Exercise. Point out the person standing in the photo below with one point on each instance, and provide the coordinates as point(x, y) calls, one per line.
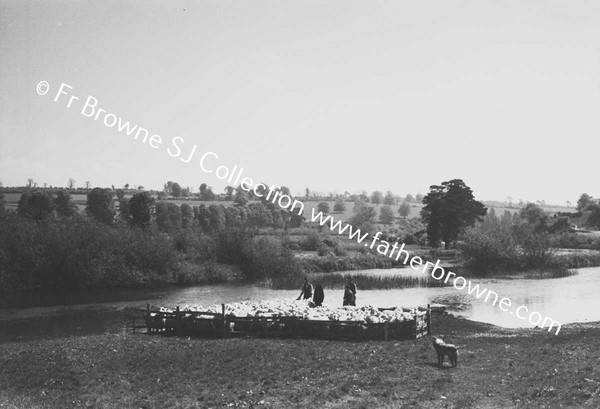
point(319, 296)
point(307, 290)
point(349, 292)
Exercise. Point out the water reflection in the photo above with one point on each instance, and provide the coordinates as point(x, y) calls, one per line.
point(569, 299)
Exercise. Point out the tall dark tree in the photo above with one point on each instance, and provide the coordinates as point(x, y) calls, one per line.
point(65, 207)
point(449, 209)
point(168, 216)
point(141, 208)
point(187, 215)
point(100, 205)
point(584, 201)
point(594, 219)
point(35, 205)
point(176, 190)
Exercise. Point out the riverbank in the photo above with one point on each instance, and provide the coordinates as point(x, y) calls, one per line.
point(497, 368)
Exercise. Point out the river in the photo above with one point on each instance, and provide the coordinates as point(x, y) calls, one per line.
point(566, 300)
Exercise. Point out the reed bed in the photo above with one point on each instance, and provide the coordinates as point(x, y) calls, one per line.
point(364, 281)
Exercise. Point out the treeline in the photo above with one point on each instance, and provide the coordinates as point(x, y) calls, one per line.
point(521, 241)
point(47, 244)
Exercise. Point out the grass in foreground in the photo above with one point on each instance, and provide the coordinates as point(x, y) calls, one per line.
point(497, 368)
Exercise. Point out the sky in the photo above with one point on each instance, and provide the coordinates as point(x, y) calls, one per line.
point(331, 95)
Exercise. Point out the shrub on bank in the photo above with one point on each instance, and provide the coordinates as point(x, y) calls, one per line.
point(80, 254)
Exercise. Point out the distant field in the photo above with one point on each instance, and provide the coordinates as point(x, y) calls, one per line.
point(415, 208)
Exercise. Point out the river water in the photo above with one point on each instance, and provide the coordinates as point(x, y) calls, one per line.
point(566, 300)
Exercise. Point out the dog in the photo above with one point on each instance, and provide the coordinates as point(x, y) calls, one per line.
point(442, 349)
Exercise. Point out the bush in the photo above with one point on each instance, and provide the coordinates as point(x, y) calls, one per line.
point(489, 246)
point(265, 257)
point(80, 254)
point(410, 239)
point(339, 206)
point(311, 242)
point(323, 249)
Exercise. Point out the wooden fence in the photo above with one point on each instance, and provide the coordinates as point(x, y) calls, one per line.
point(210, 324)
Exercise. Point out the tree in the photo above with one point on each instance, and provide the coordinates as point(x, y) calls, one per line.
point(404, 209)
point(376, 197)
point(584, 201)
point(229, 192)
point(125, 211)
point(419, 198)
point(30, 183)
point(217, 217)
point(120, 194)
point(594, 219)
point(323, 207)
point(386, 214)
point(339, 206)
point(65, 207)
point(87, 184)
point(71, 183)
point(176, 190)
point(99, 205)
point(389, 199)
point(535, 217)
point(409, 198)
point(187, 215)
point(2, 206)
point(449, 209)
point(240, 198)
point(168, 216)
point(307, 194)
point(209, 195)
point(35, 205)
point(141, 208)
point(363, 217)
point(285, 191)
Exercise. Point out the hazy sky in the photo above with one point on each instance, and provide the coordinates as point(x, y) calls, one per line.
point(331, 95)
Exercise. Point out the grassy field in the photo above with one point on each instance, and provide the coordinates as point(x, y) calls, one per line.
point(497, 368)
point(415, 208)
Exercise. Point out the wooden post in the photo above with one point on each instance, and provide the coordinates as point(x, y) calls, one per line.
point(177, 322)
point(386, 331)
point(225, 323)
point(428, 319)
point(414, 330)
point(148, 324)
